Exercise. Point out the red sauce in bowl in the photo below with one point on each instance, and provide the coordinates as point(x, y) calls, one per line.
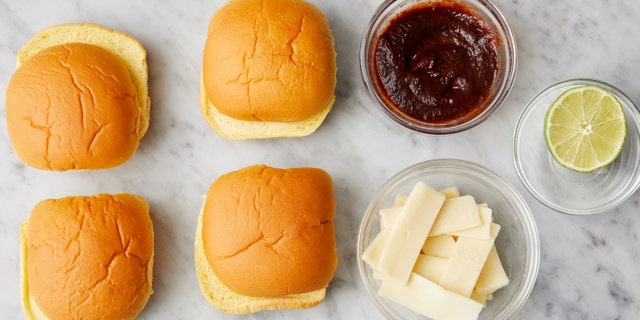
point(437, 63)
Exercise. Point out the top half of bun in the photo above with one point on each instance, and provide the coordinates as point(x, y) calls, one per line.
point(78, 99)
point(271, 61)
point(124, 46)
point(278, 219)
point(88, 257)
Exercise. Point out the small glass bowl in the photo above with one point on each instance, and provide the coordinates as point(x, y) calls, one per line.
point(517, 243)
point(504, 78)
point(562, 189)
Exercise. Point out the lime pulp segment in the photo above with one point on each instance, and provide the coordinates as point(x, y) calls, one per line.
point(585, 128)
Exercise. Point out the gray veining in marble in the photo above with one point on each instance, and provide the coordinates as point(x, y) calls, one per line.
point(590, 265)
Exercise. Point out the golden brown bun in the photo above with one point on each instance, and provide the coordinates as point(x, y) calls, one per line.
point(79, 98)
point(270, 62)
point(234, 129)
point(269, 232)
point(228, 301)
point(87, 258)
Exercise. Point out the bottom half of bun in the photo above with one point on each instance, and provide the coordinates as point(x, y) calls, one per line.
point(228, 301)
point(234, 129)
point(30, 307)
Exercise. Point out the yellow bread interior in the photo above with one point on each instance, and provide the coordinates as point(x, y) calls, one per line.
point(30, 307)
point(235, 129)
point(230, 302)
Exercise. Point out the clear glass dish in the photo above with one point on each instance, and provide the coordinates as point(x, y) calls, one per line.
point(518, 243)
point(564, 190)
point(505, 76)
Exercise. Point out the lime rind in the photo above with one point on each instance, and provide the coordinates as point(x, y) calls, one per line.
point(585, 128)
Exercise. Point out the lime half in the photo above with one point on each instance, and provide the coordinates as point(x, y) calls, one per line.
point(585, 128)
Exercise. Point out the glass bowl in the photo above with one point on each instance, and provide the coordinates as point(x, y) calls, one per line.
point(504, 77)
point(562, 189)
point(517, 243)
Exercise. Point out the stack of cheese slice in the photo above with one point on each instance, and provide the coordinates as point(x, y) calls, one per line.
point(435, 253)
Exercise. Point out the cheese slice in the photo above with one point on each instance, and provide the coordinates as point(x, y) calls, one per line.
point(378, 275)
point(492, 277)
point(450, 192)
point(408, 235)
point(439, 246)
point(483, 231)
point(480, 298)
point(389, 216)
point(428, 298)
point(371, 254)
point(466, 263)
point(457, 213)
point(400, 200)
point(430, 267)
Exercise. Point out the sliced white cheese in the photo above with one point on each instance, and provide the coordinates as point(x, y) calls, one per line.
point(430, 267)
point(450, 192)
point(480, 298)
point(389, 216)
point(483, 231)
point(457, 213)
point(461, 269)
point(408, 235)
point(492, 277)
point(400, 200)
point(378, 275)
point(428, 298)
point(439, 246)
point(371, 254)
point(466, 263)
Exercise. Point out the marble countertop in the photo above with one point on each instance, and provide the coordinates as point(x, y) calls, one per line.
point(590, 265)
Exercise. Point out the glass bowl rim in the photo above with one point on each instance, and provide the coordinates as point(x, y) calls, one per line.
point(476, 171)
point(518, 163)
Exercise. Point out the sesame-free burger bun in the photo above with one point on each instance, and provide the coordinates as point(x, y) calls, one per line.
point(266, 239)
point(78, 99)
point(87, 257)
point(269, 69)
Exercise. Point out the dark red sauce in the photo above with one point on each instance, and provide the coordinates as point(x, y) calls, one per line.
point(437, 62)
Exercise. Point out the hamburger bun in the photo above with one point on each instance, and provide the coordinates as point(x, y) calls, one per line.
point(87, 258)
point(269, 69)
point(79, 98)
point(265, 239)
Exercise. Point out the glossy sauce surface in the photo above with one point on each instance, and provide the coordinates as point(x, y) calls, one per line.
point(436, 63)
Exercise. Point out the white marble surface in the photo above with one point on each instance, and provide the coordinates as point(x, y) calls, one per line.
point(590, 265)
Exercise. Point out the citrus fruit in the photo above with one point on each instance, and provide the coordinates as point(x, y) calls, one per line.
point(585, 128)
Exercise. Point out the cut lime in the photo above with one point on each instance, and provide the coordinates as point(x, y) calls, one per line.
point(585, 128)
